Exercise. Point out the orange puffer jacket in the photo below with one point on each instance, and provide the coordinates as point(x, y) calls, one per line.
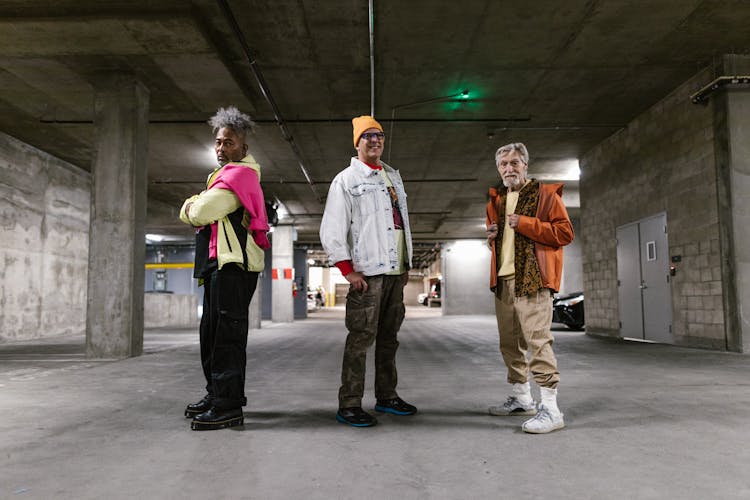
point(550, 230)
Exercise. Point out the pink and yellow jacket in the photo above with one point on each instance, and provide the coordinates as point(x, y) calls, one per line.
point(234, 186)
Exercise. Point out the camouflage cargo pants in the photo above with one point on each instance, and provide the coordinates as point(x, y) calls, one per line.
point(372, 316)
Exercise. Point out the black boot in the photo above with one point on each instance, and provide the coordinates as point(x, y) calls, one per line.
point(356, 416)
point(216, 418)
point(201, 406)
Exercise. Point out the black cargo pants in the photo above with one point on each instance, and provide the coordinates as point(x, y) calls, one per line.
point(223, 334)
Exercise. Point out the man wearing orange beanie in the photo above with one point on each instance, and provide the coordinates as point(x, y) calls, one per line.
point(365, 231)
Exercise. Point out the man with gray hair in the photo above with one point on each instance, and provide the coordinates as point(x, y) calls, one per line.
point(231, 225)
point(527, 226)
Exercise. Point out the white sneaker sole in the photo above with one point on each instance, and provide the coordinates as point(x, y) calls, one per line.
point(546, 430)
point(497, 411)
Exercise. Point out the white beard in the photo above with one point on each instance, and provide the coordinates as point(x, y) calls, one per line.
point(512, 183)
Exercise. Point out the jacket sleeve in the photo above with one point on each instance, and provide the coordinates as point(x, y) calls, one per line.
point(557, 231)
point(334, 228)
point(490, 218)
point(491, 213)
point(210, 206)
point(183, 211)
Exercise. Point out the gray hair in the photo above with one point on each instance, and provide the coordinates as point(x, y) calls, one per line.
point(509, 148)
point(233, 118)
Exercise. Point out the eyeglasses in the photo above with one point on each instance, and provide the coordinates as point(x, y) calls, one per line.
point(512, 163)
point(373, 135)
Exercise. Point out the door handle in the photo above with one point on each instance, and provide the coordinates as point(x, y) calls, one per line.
point(642, 286)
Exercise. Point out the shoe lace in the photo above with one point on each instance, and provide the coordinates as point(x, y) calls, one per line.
point(542, 415)
point(510, 402)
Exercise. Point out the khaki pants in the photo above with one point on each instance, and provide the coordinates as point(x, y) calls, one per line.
point(374, 316)
point(524, 324)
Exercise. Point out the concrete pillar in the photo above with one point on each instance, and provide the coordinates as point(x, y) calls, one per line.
point(282, 263)
point(114, 321)
point(732, 150)
point(302, 283)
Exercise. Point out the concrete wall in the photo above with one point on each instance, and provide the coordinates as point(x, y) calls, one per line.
point(466, 282)
point(44, 212)
point(170, 309)
point(663, 161)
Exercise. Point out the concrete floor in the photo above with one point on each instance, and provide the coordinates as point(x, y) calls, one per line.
point(643, 421)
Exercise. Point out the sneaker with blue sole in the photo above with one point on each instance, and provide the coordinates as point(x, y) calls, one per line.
point(395, 406)
point(355, 417)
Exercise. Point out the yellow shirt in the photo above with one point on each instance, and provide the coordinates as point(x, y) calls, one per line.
point(507, 247)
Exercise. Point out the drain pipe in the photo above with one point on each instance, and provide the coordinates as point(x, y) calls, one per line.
point(372, 59)
point(267, 94)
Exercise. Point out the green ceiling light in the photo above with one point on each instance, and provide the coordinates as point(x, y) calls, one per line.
point(464, 94)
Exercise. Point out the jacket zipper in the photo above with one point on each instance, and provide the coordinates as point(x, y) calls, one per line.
point(226, 236)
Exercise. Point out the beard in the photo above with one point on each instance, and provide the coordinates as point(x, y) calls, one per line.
point(512, 182)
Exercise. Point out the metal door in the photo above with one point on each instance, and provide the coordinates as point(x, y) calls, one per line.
point(644, 291)
point(629, 282)
point(656, 292)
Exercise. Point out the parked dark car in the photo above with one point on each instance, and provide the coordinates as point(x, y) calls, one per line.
point(568, 310)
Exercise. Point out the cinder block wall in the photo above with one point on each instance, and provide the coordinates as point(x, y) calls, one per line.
point(44, 212)
point(663, 161)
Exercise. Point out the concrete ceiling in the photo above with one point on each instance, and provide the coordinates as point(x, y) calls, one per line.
point(558, 75)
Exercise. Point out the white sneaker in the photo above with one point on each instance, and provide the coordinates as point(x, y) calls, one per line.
point(545, 421)
point(513, 406)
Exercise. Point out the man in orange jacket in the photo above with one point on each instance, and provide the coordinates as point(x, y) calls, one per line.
point(527, 226)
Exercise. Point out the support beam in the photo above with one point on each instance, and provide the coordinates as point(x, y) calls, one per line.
point(114, 321)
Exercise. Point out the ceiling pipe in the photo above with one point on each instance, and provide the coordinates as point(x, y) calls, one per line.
point(372, 59)
point(267, 94)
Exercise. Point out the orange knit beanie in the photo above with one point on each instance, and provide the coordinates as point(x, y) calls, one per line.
point(362, 123)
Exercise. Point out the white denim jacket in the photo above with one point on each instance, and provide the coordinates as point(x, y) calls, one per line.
point(357, 222)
